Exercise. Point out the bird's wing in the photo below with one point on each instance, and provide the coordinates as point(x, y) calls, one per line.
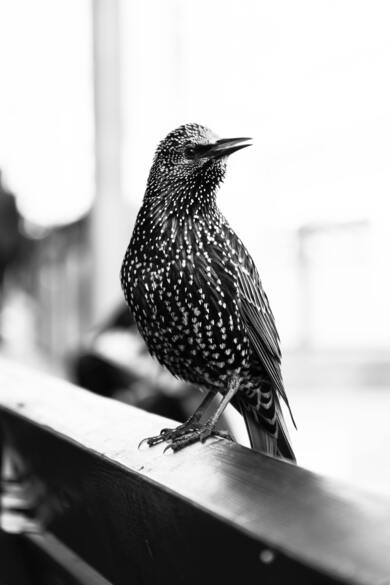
point(258, 318)
point(259, 321)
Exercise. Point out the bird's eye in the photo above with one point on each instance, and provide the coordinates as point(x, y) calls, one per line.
point(189, 151)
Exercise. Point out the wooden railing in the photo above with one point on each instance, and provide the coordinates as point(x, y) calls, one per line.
point(86, 506)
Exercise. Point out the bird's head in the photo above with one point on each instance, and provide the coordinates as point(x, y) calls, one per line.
point(191, 159)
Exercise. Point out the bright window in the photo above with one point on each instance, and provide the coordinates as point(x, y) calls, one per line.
point(46, 107)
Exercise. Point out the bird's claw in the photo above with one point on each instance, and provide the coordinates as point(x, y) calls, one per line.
point(183, 435)
point(166, 435)
point(200, 434)
point(151, 441)
point(141, 443)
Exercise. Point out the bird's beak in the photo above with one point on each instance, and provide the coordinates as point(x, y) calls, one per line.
point(220, 148)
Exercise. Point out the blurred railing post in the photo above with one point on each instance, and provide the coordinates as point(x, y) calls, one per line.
point(109, 222)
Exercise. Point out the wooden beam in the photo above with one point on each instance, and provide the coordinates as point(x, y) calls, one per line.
point(216, 511)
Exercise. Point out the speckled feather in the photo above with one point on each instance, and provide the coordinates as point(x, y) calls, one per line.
point(195, 292)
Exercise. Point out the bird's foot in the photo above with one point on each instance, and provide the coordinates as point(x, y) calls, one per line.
point(184, 435)
point(201, 433)
point(171, 434)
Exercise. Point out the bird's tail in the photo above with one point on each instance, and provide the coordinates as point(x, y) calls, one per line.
point(273, 440)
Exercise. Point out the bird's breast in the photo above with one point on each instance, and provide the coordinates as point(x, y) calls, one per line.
point(184, 301)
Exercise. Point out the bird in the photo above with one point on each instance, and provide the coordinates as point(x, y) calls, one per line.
point(197, 297)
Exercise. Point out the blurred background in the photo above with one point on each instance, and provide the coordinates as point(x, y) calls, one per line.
point(89, 87)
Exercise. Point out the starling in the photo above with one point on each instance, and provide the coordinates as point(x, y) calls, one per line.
point(197, 298)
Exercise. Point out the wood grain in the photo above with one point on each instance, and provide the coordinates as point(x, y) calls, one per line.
point(211, 512)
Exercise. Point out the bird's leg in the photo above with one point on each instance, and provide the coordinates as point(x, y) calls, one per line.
point(195, 418)
point(202, 432)
point(189, 425)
